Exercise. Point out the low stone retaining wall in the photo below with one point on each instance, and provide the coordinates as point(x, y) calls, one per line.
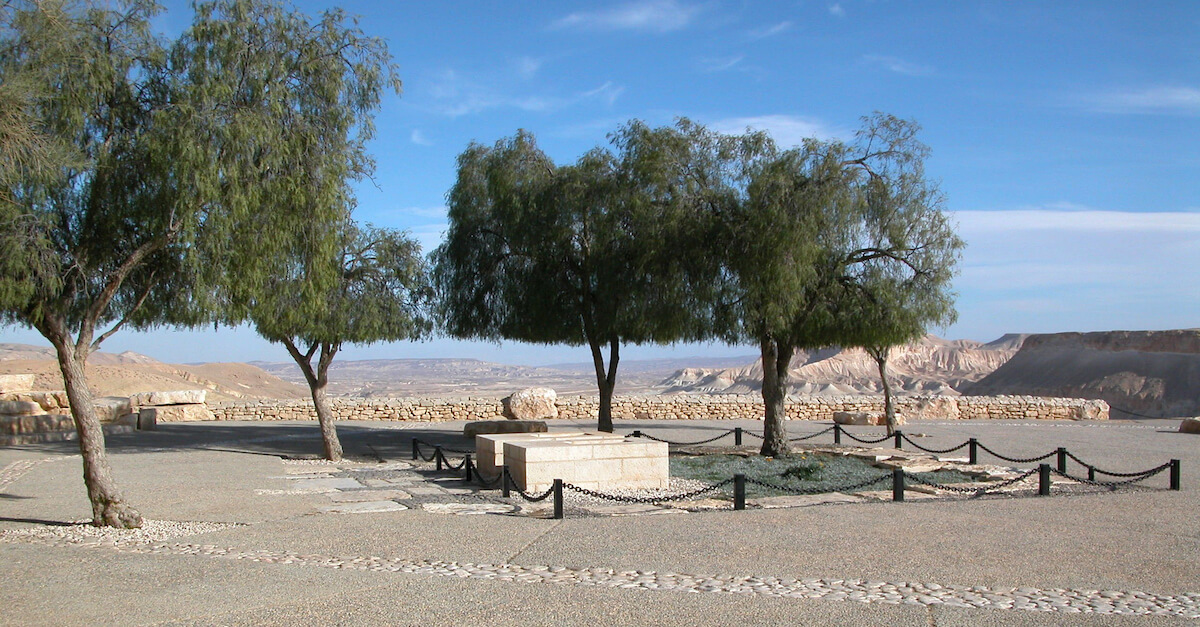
point(681, 407)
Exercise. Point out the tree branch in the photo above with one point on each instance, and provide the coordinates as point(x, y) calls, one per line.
point(141, 299)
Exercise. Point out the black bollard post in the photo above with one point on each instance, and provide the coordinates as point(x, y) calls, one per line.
point(416, 450)
point(437, 456)
point(504, 489)
point(897, 484)
point(737, 436)
point(558, 500)
point(467, 469)
point(1091, 473)
point(739, 492)
point(1044, 480)
point(1175, 474)
point(972, 451)
point(636, 434)
point(837, 433)
point(1062, 460)
point(899, 437)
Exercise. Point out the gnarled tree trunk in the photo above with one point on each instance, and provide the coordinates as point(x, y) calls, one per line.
point(318, 380)
point(606, 381)
point(109, 508)
point(776, 357)
point(880, 354)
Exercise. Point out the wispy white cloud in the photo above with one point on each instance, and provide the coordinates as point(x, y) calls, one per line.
point(419, 138)
point(721, 64)
point(1174, 99)
point(786, 130)
point(456, 95)
point(1075, 218)
point(438, 212)
point(527, 67)
point(836, 10)
point(769, 31)
point(659, 16)
point(897, 65)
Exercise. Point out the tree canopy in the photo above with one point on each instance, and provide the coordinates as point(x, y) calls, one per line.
point(157, 185)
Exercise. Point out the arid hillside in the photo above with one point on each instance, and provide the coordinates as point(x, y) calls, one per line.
point(1151, 373)
point(930, 366)
point(128, 373)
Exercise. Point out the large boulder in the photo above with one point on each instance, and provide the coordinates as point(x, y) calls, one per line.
point(173, 413)
point(175, 397)
point(19, 408)
point(862, 418)
point(531, 404)
point(17, 382)
point(485, 427)
point(1190, 425)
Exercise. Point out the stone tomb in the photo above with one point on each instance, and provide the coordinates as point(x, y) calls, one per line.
point(597, 461)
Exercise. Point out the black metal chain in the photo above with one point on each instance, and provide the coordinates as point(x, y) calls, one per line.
point(810, 436)
point(865, 440)
point(1109, 472)
point(486, 482)
point(976, 491)
point(649, 500)
point(444, 448)
point(1113, 484)
point(1019, 460)
point(650, 437)
point(935, 451)
point(849, 488)
point(449, 466)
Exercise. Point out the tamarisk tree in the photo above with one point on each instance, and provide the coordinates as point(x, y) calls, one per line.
point(593, 253)
point(818, 225)
point(163, 199)
point(380, 295)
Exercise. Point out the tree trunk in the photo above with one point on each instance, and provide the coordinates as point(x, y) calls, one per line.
point(606, 381)
point(889, 408)
point(109, 508)
point(776, 357)
point(318, 380)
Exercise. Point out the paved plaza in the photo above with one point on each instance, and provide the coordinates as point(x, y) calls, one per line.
point(243, 529)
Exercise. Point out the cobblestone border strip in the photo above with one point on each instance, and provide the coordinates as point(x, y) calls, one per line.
point(14, 471)
point(1073, 601)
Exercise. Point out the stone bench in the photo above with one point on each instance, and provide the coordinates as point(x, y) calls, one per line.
point(597, 462)
point(489, 448)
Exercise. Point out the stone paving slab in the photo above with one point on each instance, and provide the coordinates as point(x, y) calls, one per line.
point(326, 485)
point(802, 500)
point(363, 507)
point(367, 495)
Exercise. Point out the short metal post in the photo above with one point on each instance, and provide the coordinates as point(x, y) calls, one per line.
point(437, 456)
point(504, 489)
point(972, 451)
point(837, 433)
point(636, 434)
point(558, 500)
point(1174, 474)
point(1091, 473)
point(1062, 460)
point(739, 492)
point(897, 484)
point(899, 437)
point(1044, 480)
point(737, 436)
point(467, 469)
point(416, 450)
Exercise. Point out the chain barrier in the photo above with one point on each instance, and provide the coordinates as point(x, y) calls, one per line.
point(487, 484)
point(803, 437)
point(449, 466)
point(525, 495)
point(935, 451)
point(1018, 460)
point(975, 491)
point(1134, 413)
point(647, 500)
point(444, 448)
point(650, 437)
point(1112, 484)
point(805, 491)
point(1108, 472)
point(865, 440)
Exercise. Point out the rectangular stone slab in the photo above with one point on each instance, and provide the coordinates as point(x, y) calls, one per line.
point(596, 464)
point(489, 448)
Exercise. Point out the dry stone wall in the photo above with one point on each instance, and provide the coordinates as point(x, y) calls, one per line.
point(680, 407)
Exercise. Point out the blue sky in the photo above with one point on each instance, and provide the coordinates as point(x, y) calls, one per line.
point(1065, 135)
